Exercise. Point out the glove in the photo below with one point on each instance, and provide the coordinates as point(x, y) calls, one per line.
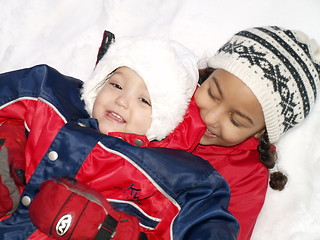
point(9, 192)
point(13, 132)
point(67, 209)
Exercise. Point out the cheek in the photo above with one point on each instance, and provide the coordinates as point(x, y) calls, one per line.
point(146, 119)
point(142, 119)
point(203, 102)
point(100, 102)
point(233, 139)
point(198, 95)
point(94, 109)
point(234, 136)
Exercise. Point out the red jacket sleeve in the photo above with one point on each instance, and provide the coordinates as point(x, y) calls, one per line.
point(187, 134)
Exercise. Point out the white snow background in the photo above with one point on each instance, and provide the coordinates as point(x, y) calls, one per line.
point(66, 35)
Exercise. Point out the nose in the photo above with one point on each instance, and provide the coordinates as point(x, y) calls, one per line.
point(213, 117)
point(122, 101)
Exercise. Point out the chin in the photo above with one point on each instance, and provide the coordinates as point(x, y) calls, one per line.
point(216, 142)
point(208, 141)
point(104, 130)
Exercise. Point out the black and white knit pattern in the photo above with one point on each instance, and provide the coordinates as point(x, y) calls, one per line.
point(281, 67)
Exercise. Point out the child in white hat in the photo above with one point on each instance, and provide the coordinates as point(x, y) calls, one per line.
point(139, 91)
point(168, 76)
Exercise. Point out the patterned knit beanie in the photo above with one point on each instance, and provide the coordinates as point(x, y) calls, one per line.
point(168, 69)
point(281, 67)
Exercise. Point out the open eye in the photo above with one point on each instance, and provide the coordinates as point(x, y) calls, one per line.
point(145, 101)
point(116, 85)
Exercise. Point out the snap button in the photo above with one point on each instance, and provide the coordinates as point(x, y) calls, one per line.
point(53, 156)
point(26, 201)
point(81, 124)
point(138, 142)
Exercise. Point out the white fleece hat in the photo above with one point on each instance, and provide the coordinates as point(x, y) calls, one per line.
point(170, 73)
point(281, 67)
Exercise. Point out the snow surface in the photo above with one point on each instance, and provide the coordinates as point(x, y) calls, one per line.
point(66, 34)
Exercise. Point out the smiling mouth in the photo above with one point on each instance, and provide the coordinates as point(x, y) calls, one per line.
point(210, 134)
point(114, 117)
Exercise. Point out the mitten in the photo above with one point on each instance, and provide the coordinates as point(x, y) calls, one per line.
point(68, 209)
point(9, 193)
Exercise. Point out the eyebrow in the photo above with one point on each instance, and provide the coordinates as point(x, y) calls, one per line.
point(218, 86)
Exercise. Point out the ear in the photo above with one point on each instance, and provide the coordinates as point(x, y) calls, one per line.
point(259, 133)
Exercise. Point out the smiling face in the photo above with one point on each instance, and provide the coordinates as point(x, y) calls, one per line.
point(230, 110)
point(123, 104)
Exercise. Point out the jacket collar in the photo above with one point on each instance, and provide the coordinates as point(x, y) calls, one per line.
point(133, 139)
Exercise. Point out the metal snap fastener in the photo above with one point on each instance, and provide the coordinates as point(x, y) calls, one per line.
point(81, 124)
point(26, 201)
point(138, 142)
point(53, 155)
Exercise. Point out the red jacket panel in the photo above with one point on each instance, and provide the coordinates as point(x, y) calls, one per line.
point(240, 165)
point(175, 194)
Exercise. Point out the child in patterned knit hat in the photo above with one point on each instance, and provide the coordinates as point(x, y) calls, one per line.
point(261, 83)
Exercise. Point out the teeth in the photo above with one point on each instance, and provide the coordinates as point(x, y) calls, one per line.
point(117, 116)
point(214, 135)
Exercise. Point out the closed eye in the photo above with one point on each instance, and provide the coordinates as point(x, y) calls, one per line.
point(234, 121)
point(211, 95)
point(245, 121)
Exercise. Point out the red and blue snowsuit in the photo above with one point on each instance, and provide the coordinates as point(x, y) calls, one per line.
point(176, 195)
